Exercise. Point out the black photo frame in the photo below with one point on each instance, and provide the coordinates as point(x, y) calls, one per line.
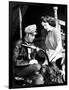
point(31, 14)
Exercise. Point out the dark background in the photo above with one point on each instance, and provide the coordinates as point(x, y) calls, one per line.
point(31, 14)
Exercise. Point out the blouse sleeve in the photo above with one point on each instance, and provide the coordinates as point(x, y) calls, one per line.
point(57, 34)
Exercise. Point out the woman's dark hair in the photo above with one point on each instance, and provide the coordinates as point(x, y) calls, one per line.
point(49, 19)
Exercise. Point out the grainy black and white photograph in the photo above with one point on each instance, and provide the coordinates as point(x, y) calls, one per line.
point(37, 44)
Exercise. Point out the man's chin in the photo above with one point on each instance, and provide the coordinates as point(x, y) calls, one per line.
point(30, 41)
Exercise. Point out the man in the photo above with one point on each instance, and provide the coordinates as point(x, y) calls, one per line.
point(24, 54)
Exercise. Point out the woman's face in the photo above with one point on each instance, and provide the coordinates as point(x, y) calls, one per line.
point(46, 25)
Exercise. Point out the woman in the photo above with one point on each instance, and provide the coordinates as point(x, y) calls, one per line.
point(53, 40)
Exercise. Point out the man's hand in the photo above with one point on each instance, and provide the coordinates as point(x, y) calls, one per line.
point(37, 48)
point(33, 61)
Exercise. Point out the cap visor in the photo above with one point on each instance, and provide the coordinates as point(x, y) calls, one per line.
point(35, 33)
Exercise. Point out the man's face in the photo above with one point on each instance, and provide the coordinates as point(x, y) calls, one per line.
point(46, 25)
point(31, 37)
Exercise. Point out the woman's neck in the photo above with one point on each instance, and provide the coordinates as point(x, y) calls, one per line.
point(51, 28)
